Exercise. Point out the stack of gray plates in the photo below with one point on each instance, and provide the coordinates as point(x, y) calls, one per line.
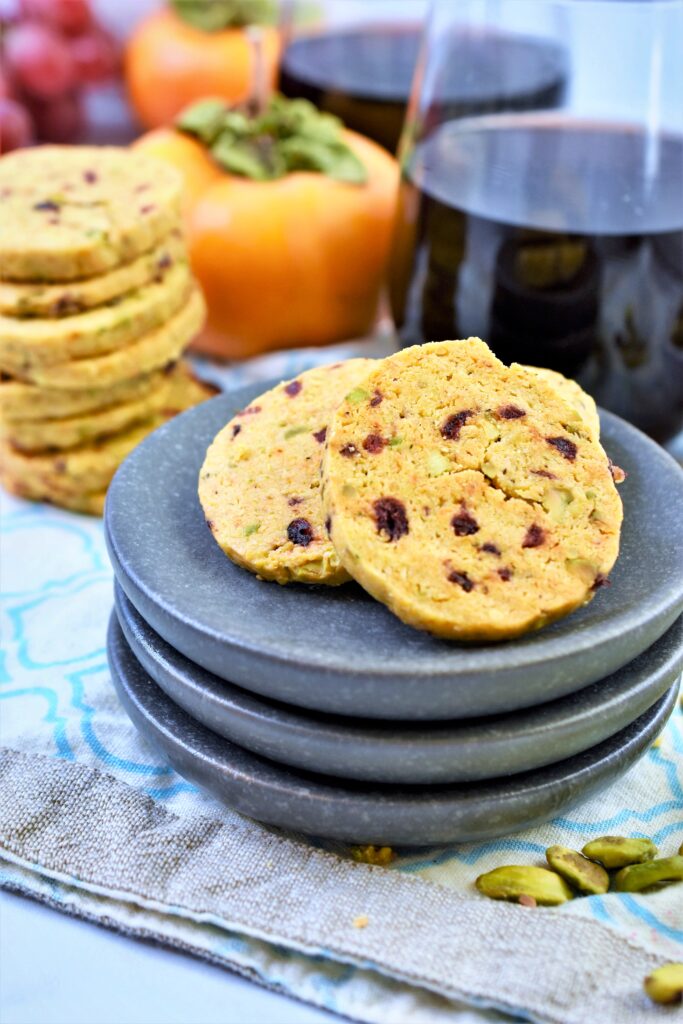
point(315, 709)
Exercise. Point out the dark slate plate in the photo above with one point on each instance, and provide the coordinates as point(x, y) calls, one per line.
point(336, 649)
point(435, 752)
point(361, 812)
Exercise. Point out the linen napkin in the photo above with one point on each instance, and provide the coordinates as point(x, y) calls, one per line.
point(93, 822)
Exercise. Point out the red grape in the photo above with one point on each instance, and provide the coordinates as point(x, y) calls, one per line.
point(59, 120)
point(39, 59)
point(16, 128)
point(69, 16)
point(5, 86)
point(94, 56)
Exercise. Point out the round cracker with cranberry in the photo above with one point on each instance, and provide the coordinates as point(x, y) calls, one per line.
point(259, 485)
point(468, 496)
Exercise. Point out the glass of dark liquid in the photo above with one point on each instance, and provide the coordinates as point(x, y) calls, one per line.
point(556, 235)
point(358, 60)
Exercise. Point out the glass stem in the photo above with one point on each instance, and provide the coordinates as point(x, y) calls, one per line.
point(258, 97)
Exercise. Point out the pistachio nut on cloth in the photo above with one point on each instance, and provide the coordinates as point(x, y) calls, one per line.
point(151, 855)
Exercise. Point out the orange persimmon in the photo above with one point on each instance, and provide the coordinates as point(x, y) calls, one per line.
point(169, 63)
point(299, 260)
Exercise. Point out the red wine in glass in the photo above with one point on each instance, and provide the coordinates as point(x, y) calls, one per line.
point(560, 242)
point(363, 74)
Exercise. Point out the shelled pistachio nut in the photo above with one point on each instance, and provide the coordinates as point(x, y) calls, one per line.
point(637, 877)
point(665, 984)
point(513, 881)
point(581, 873)
point(618, 851)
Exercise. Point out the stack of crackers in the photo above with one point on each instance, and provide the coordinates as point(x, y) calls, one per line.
point(97, 304)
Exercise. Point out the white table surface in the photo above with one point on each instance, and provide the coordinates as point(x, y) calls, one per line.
point(55, 969)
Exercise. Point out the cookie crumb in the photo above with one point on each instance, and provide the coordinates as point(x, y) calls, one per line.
point(378, 855)
point(618, 474)
point(362, 921)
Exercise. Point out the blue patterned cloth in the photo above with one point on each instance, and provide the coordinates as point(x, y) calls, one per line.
point(56, 699)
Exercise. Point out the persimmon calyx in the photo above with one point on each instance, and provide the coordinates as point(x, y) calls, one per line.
point(214, 15)
point(288, 136)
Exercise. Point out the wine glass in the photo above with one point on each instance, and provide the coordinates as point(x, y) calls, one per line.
point(354, 59)
point(552, 227)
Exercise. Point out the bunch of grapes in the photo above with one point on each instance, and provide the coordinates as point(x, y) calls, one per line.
point(50, 51)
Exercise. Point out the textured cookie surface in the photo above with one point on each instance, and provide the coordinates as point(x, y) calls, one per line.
point(572, 393)
point(468, 496)
point(89, 467)
point(150, 352)
point(28, 299)
point(26, 343)
point(173, 391)
point(22, 403)
point(74, 211)
point(260, 482)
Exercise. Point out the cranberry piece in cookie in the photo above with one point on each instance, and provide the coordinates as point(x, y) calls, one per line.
point(564, 446)
point(462, 579)
point(300, 532)
point(451, 427)
point(510, 412)
point(464, 525)
point(391, 518)
point(374, 444)
point(534, 537)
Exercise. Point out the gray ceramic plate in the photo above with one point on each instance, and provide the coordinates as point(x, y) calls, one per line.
point(336, 649)
point(437, 752)
point(362, 812)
